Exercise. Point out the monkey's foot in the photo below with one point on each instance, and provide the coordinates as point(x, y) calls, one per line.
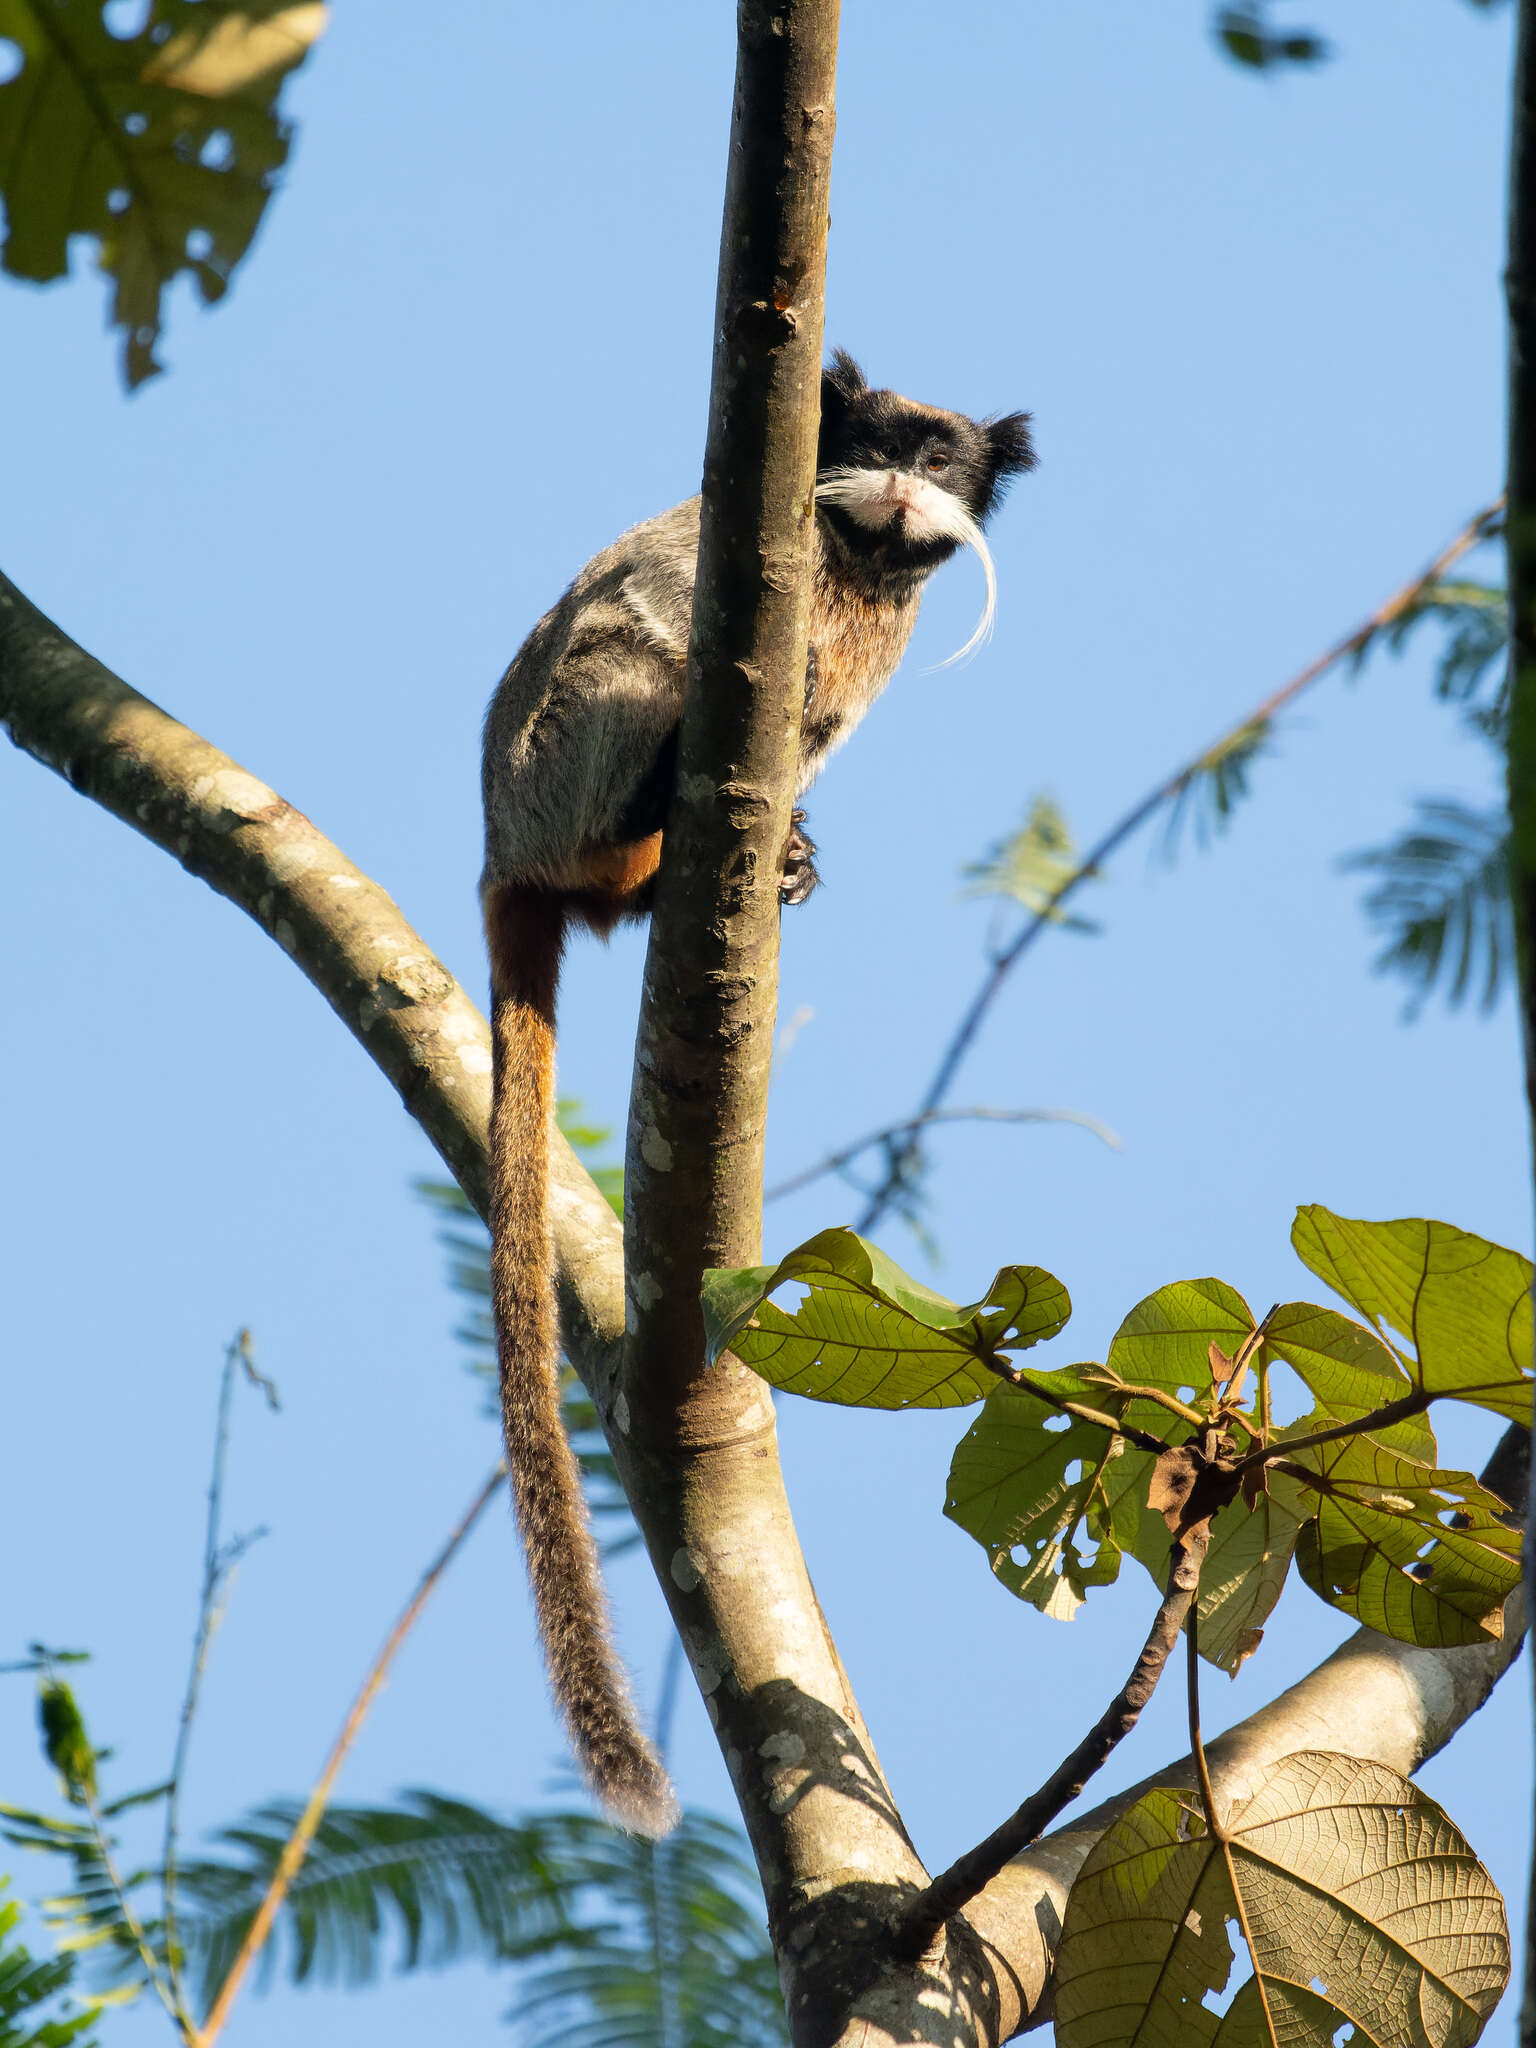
point(800, 873)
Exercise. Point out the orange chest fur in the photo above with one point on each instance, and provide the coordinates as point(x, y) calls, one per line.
point(858, 642)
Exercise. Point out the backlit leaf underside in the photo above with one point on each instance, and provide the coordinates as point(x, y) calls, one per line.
point(1463, 1303)
point(1365, 1904)
point(164, 147)
point(869, 1336)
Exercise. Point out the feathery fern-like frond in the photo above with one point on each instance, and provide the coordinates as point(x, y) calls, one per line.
point(1442, 901)
point(1031, 865)
point(662, 1945)
point(28, 1985)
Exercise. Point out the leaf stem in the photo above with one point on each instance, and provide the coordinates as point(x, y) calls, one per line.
point(954, 1888)
point(1379, 1418)
point(1143, 1439)
point(1003, 964)
point(297, 1845)
point(1219, 1833)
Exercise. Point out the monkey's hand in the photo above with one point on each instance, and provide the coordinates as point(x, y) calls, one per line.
point(800, 876)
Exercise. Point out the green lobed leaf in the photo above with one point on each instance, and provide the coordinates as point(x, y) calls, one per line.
point(1420, 1555)
point(1365, 1905)
point(1245, 1570)
point(1349, 1371)
point(867, 1335)
point(1165, 1342)
point(163, 147)
point(1032, 1493)
point(1463, 1303)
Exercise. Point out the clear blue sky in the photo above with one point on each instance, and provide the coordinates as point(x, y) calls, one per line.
point(1258, 322)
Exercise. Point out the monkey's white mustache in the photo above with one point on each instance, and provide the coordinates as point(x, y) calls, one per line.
point(877, 497)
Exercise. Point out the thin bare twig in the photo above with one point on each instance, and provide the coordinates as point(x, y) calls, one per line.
point(1003, 964)
point(909, 1126)
point(219, 1560)
point(950, 1892)
point(297, 1845)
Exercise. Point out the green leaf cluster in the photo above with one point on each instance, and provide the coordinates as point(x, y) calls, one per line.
point(162, 147)
point(1053, 1478)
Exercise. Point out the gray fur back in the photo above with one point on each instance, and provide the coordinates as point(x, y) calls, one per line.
point(594, 690)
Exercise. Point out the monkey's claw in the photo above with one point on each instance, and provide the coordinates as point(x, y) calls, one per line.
point(800, 873)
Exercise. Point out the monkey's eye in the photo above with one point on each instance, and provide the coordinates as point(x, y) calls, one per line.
point(937, 464)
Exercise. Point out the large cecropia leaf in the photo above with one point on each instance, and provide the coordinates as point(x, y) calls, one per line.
point(1029, 1484)
point(1365, 1906)
point(1423, 1556)
point(1464, 1304)
point(867, 1335)
point(163, 146)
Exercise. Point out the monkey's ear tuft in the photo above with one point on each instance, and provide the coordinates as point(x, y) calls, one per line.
point(1013, 450)
point(842, 379)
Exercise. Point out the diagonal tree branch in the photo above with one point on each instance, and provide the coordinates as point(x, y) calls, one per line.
point(340, 929)
point(1371, 1698)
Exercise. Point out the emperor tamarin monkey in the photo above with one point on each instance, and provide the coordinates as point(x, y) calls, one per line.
point(580, 761)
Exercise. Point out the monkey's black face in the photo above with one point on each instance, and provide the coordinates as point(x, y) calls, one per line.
point(905, 481)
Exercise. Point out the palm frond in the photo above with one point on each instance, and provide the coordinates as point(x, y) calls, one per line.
point(1442, 901)
point(1031, 865)
point(618, 1934)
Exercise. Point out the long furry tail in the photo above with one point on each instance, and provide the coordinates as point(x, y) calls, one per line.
point(526, 933)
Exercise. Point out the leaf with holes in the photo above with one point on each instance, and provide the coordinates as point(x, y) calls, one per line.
point(867, 1335)
point(1423, 1556)
point(1349, 1371)
point(1463, 1303)
point(1028, 1484)
point(163, 146)
point(1364, 1904)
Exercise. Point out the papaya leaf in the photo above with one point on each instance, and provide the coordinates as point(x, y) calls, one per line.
point(1032, 1494)
point(1365, 1905)
point(1420, 1555)
point(1463, 1303)
point(867, 1335)
point(164, 147)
